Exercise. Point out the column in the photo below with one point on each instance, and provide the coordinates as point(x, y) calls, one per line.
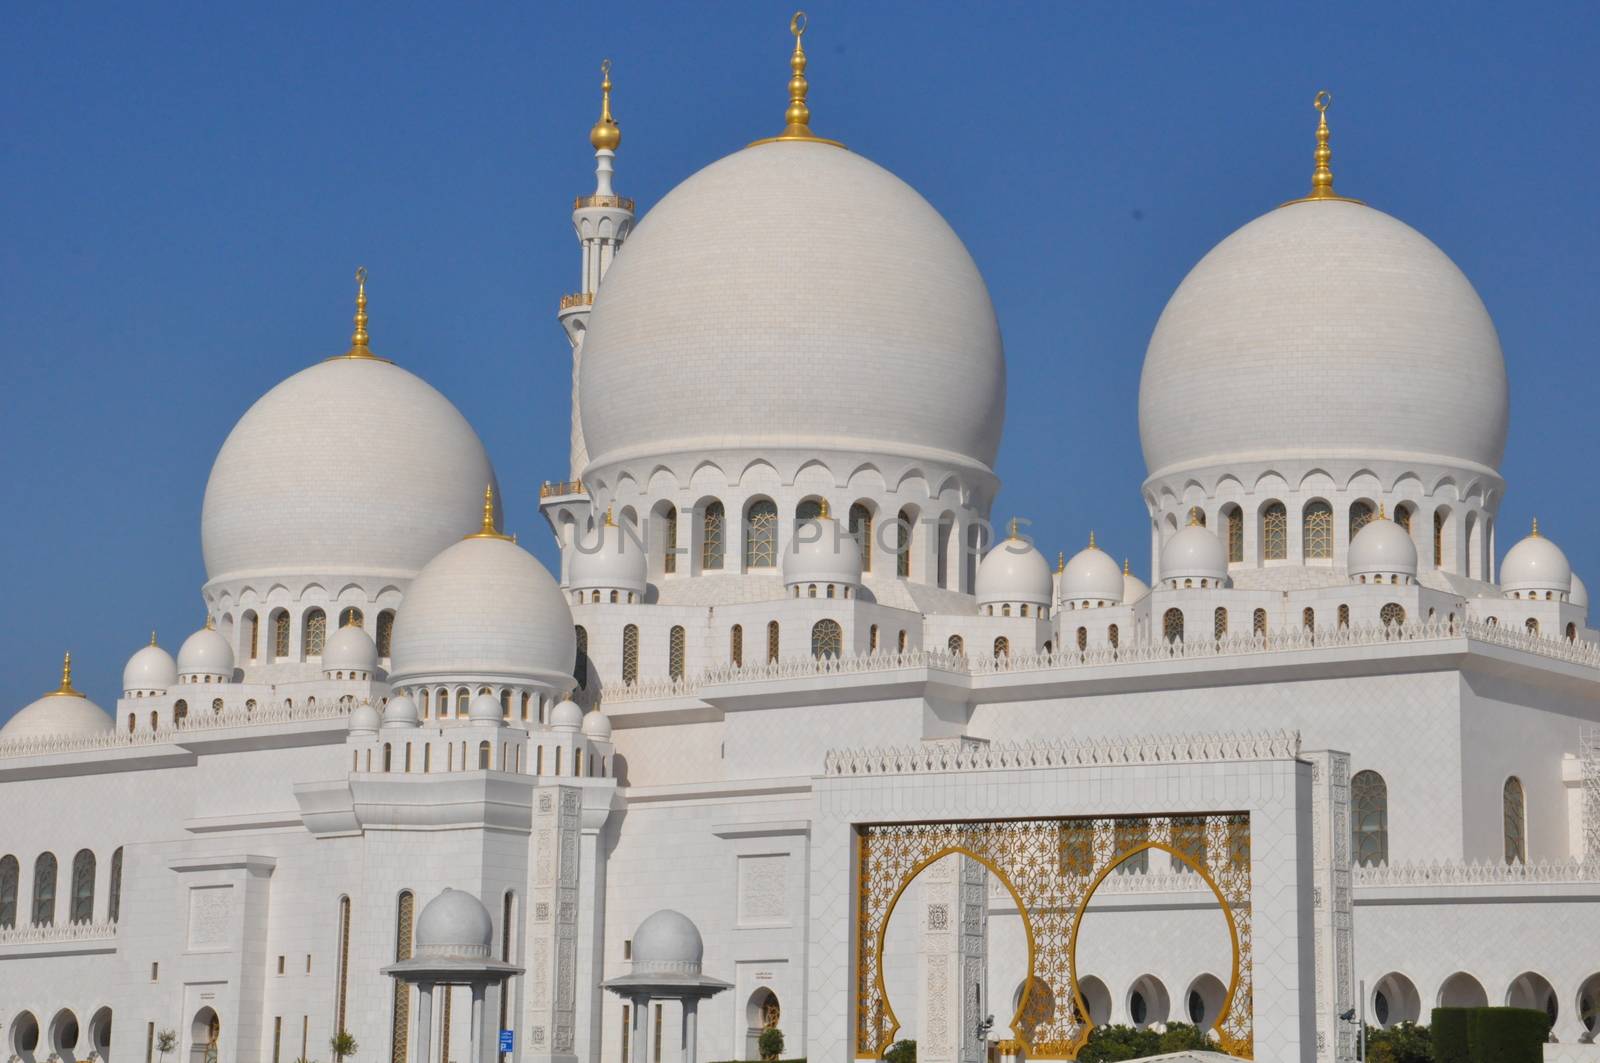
point(641, 1010)
point(691, 1007)
point(477, 1023)
point(422, 1037)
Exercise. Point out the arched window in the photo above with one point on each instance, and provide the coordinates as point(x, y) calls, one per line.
point(1360, 516)
point(1392, 613)
point(1316, 530)
point(350, 616)
point(712, 521)
point(861, 532)
point(385, 632)
point(902, 544)
point(1369, 819)
point(1258, 622)
point(1572, 632)
point(772, 641)
point(505, 704)
point(1219, 623)
point(484, 754)
point(1005, 610)
point(1531, 625)
point(133, 721)
point(1083, 639)
point(1515, 809)
point(808, 509)
point(252, 634)
point(216, 706)
point(463, 698)
point(1114, 636)
point(669, 540)
point(1235, 518)
point(155, 720)
point(388, 757)
point(342, 967)
point(1274, 532)
point(900, 642)
point(1344, 616)
point(1308, 618)
point(630, 654)
point(827, 639)
point(180, 712)
point(1002, 647)
point(675, 652)
point(1402, 516)
point(580, 664)
point(872, 639)
point(956, 646)
point(761, 534)
point(44, 890)
point(10, 873)
point(405, 909)
point(1172, 625)
point(1439, 520)
point(280, 633)
point(114, 898)
point(526, 700)
point(314, 632)
point(942, 542)
point(81, 907)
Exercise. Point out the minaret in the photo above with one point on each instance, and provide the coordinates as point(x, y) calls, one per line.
point(602, 220)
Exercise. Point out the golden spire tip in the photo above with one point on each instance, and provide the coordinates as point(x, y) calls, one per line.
point(1061, 560)
point(797, 119)
point(1381, 514)
point(1013, 528)
point(211, 622)
point(606, 134)
point(358, 338)
point(152, 636)
point(1535, 527)
point(610, 520)
point(1322, 176)
point(822, 508)
point(1125, 569)
point(488, 530)
point(65, 690)
point(1091, 540)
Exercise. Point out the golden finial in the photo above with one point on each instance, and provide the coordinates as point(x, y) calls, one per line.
point(1012, 528)
point(489, 531)
point(1125, 569)
point(610, 522)
point(1092, 546)
point(1381, 514)
point(797, 118)
point(606, 135)
point(1061, 560)
point(211, 622)
point(65, 690)
point(1322, 176)
point(822, 509)
point(152, 637)
point(1194, 517)
point(1536, 527)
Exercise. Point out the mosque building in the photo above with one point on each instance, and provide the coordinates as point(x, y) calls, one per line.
point(787, 741)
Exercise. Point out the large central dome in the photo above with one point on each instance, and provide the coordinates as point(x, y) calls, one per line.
point(791, 296)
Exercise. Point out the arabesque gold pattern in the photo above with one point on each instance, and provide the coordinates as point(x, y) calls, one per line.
point(1051, 868)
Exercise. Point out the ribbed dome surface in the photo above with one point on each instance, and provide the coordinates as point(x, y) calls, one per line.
point(352, 466)
point(1323, 330)
point(826, 304)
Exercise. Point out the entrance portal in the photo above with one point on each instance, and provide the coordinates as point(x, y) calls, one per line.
point(203, 1034)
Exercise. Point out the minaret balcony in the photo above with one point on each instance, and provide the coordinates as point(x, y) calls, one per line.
point(603, 202)
point(560, 489)
point(576, 301)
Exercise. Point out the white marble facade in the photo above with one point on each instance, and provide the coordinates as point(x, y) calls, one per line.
point(803, 599)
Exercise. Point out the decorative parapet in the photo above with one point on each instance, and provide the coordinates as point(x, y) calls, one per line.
point(577, 299)
point(1014, 756)
point(605, 202)
point(556, 488)
point(238, 716)
point(50, 935)
point(1486, 873)
point(1130, 881)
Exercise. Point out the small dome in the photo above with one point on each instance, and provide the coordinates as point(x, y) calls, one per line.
point(1536, 566)
point(350, 649)
point(454, 924)
point(566, 716)
point(1133, 588)
point(597, 725)
point(1579, 595)
point(62, 713)
point(401, 711)
point(1014, 571)
point(1193, 554)
point(821, 550)
point(608, 558)
point(1092, 575)
point(151, 668)
point(484, 708)
point(667, 942)
point(1381, 547)
point(204, 653)
point(364, 719)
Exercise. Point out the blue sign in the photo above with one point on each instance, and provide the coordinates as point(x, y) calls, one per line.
point(508, 1040)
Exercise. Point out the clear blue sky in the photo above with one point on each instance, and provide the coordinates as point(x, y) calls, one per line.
point(187, 188)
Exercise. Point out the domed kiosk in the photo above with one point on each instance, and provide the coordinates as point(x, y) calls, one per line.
point(667, 953)
point(63, 713)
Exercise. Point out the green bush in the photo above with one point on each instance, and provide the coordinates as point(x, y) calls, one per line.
point(901, 1052)
point(1507, 1035)
point(1180, 1037)
point(1404, 1042)
point(1449, 1029)
point(770, 1043)
point(1116, 1042)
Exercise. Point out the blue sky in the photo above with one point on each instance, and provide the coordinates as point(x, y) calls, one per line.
point(187, 188)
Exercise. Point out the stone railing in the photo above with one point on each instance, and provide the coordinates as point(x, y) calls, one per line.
point(201, 720)
point(971, 756)
point(1486, 873)
point(46, 935)
point(556, 488)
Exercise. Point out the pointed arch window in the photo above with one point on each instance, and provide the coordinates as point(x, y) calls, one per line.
point(252, 634)
point(1439, 520)
point(1083, 639)
point(1369, 819)
point(861, 532)
point(463, 698)
point(44, 890)
point(280, 633)
point(736, 646)
point(827, 639)
point(1002, 647)
point(713, 523)
point(1344, 616)
point(772, 641)
point(1114, 636)
point(1361, 515)
point(900, 642)
point(1531, 625)
point(10, 874)
point(675, 652)
point(808, 509)
point(1515, 814)
point(1308, 618)
point(1316, 530)
point(580, 664)
point(1219, 623)
point(872, 638)
point(1172, 625)
point(81, 909)
point(385, 632)
point(902, 544)
point(342, 968)
point(405, 910)
point(1402, 516)
point(761, 534)
point(114, 892)
point(314, 633)
point(1275, 532)
point(669, 540)
point(350, 616)
point(1258, 622)
point(630, 654)
point(1392, 613)
point(956, 646)
point(1235, 518)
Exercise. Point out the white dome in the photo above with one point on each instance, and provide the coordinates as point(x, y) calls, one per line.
point(667, 942)
point(62, 713)
point(1381, 547)
point(206, 653)
point(1092, 575)
point(151, 668)
point(801, 268)
point(566, 716)
point(1133, 588)
point(365, 719)
point(821, 551)
point(1014, 571)
point(1579, 595)
point(484, 708)
point(1536, 566)
point(401, 711)
point(608, 558)
point(454, 924)
point(597, 725)
point(484, 609)
point(1194, 553)
point(350, 649)
point(1297, 314)
point(351, 467)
